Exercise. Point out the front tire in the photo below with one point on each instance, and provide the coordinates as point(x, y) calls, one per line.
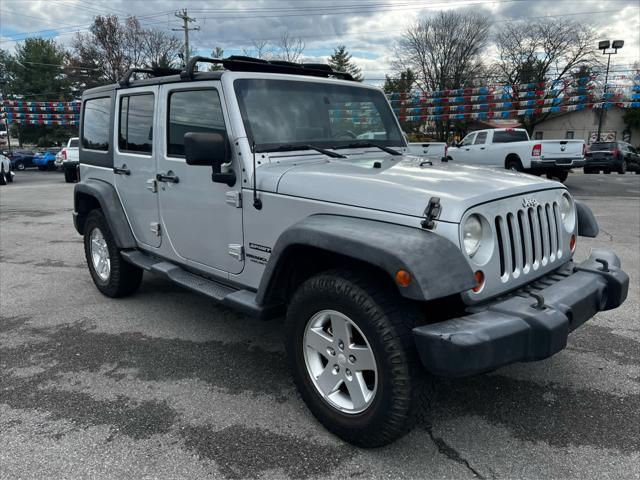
point(112, 275)
point(20, 166)
point(69, 175)
point(353, 359)
point(3, 176)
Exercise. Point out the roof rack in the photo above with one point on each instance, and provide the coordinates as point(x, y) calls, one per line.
point(125, 81)
point(248, 64)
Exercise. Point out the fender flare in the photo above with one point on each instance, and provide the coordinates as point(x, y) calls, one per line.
point(587, 223)
point(107, 198)
point(437, 267)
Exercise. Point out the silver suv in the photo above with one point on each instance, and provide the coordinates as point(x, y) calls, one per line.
point(259, 186)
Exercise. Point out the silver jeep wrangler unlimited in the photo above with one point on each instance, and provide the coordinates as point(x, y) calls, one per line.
point(286, 189)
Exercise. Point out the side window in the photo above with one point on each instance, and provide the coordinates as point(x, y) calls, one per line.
point(192, 111)
point(96, 123)
point(136, 123)
point(468, 140)
point(538, 136)
point(568, 135)
point(481, 138)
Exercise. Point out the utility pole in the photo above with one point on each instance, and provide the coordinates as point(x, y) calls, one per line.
point(186, 19)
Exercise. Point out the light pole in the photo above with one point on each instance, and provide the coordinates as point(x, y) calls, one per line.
point(608, 48)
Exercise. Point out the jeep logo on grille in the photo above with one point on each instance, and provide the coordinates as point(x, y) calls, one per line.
point(529, 202)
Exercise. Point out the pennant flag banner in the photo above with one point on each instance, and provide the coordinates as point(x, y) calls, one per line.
point(41, 109)
point(26, 121)
point(42, 116)
point(22, 103)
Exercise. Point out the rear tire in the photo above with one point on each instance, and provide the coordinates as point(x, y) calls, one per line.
point(513, 164)
point(112, 275)
point(623, 167)
point(402, 390)
point(20, 166)
point(69, 175)
point(9, 176)
point(3, 176)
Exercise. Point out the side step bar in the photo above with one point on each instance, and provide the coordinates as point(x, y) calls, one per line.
point(242, 300)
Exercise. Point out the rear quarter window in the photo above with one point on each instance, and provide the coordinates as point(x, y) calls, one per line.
point(96, 123)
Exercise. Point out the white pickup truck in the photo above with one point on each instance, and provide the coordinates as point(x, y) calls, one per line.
point(68, 159)
point(512, 149)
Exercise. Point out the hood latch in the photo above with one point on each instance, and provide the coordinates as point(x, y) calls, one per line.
point(431, 213)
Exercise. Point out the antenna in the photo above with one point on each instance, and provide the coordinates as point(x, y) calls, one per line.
point(257, 203)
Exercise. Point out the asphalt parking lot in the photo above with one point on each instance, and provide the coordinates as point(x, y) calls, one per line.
point(167, 384)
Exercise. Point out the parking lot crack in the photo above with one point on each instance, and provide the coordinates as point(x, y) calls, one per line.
point(452, 454)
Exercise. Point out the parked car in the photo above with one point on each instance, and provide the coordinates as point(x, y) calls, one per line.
point(6, 175)
point(46, 160)
point(21, 159)
point(612, 157)
point(512, 149)
point(69, 160)
point(241, 185)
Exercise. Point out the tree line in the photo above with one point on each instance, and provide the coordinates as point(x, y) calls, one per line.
point(446, 50)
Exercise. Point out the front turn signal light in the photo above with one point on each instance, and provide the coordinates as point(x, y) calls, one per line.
point(403, 278)
point(479, 275)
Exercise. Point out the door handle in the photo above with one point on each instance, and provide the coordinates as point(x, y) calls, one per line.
point(466, 149)
point(122, 170)
point(481, 148)
point(169, 177)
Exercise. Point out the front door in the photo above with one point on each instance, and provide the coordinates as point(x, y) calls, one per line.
point(463, 154)
point(202, 220)
point(134, 162)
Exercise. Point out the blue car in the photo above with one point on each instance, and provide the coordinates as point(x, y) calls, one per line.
point(21, 159)
point(45, 160)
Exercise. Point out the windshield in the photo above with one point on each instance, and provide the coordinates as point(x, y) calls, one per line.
point(289, 112)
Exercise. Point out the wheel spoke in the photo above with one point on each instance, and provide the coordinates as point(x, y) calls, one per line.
point(364, 358)
point(341, 330)
point(328, 381)
point(318, 340)
point(358, 391)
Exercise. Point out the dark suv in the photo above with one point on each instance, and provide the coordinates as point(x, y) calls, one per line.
point(612, 156)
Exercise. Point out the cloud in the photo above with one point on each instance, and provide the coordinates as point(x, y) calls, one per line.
point(369, 28)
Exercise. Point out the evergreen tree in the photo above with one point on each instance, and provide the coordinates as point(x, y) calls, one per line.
point(340, 61)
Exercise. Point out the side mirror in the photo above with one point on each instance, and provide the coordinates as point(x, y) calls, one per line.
point(212, 149)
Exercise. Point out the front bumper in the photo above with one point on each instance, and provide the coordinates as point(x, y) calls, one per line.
point(520, 327)
point(557, 163)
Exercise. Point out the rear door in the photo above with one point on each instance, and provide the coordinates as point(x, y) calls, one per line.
point(134, 162)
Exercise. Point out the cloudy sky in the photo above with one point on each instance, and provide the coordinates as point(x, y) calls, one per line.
point(369, 28)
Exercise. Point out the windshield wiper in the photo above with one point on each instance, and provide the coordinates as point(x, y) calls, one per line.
point(291, 148)
point(368, 144)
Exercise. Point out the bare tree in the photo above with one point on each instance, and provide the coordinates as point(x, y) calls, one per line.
point(259, 49)
point(289, 48)
point(545, 50)
point(444, 51)
point(161, 48)
point(110, 48)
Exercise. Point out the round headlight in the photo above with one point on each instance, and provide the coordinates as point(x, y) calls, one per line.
point(472, 234)
point(567, 212)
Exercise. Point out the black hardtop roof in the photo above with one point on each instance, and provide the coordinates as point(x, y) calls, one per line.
point(157, 76)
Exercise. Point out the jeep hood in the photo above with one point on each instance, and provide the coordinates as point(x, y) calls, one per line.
point(401, 185)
